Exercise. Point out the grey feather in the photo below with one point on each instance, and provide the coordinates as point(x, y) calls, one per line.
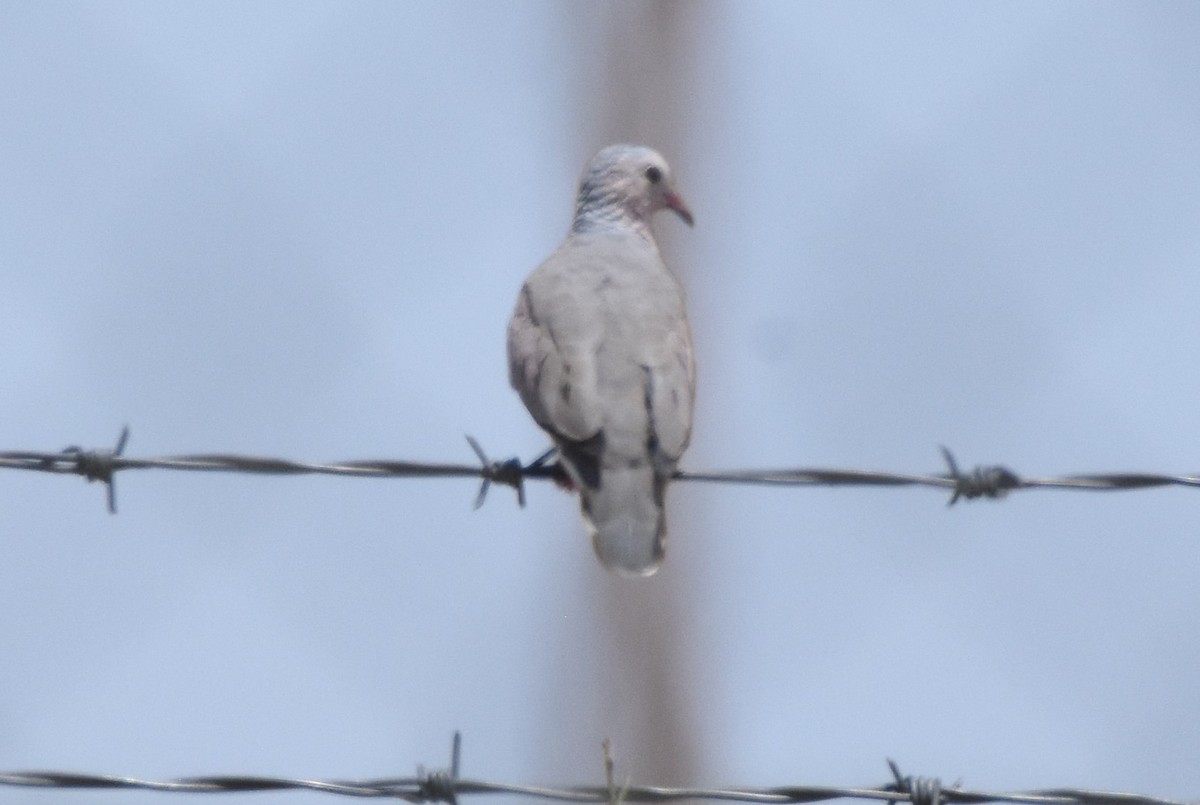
point(600, 352)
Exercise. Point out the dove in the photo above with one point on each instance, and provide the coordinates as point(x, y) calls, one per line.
point(600, 352)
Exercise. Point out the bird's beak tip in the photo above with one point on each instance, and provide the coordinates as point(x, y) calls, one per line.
point(681, 209)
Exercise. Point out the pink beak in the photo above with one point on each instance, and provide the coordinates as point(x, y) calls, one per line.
point(675, 203)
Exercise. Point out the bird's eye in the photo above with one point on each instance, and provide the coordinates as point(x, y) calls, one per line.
point(654, 174)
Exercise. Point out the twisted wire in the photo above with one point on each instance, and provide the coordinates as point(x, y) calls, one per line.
point(983, 481)
point(447, 787)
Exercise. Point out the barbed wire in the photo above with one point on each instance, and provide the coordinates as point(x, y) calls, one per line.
point(447, 786)
point(984, 481)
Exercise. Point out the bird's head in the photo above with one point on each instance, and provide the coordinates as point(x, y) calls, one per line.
point(627, 182)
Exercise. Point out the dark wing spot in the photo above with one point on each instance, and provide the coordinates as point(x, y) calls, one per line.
point(564, 391)
point(584, 458)
point(648, 401)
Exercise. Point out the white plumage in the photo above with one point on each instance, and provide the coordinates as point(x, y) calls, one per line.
point(600, 351)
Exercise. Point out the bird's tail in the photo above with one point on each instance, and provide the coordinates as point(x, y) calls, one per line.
point(625, 514)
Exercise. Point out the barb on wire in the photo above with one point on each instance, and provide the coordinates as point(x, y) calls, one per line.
point(991, 482)
point(985, 481)
point(97, 465)
point(509, 473)
point(448, 786)
point(442, 786)
point(920, 790)
point(616, 796)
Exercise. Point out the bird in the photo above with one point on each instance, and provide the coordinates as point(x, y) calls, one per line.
point(600, 352)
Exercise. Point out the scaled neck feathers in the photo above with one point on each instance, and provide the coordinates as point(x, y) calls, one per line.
point(604, 209)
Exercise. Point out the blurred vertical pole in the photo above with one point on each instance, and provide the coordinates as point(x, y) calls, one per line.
point(638, 89)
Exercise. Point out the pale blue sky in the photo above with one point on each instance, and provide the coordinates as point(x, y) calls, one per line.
point(298, 229)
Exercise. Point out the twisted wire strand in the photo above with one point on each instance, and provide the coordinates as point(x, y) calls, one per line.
point(984, 481)
point(445, 787)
